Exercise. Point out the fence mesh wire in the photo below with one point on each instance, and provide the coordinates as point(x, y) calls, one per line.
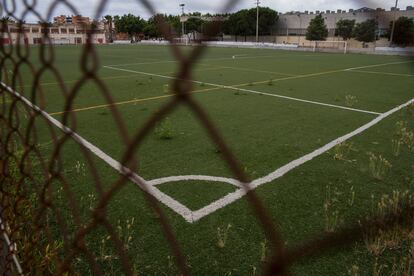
point(29, 176)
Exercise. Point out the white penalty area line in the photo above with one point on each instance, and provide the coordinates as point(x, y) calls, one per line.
point(214, 59)
point(251, 91)
point(380, 73)
point(238, 194)
point(186, 213)
point(378, 65)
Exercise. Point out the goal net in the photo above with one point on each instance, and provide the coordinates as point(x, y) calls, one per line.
point(337, 46)
point(182, 40)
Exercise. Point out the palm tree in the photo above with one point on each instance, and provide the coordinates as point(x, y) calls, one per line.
point(109, 20)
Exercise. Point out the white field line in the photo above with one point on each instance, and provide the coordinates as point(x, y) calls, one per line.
point(170, 179)
point(378, 65)
point(139, 181)
point(234, 196)
point(11, 247)
point(213, 59)
point(381, 73)
point(249, 90)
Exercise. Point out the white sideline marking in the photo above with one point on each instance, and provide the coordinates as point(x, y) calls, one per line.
point(139, 181)
point(381, 73)
point(247, 90)
point(378, 65)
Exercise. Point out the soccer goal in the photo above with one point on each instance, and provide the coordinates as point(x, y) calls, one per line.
point(182, 40)
point(339, 46)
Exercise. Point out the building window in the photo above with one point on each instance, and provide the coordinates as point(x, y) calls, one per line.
point(14, 30)
point(71, 31)
point(80, 31)
point(78, 40)
point(37, 41)
point(63, 31)
point(55, 31)
point(35, 30)
point(45, 31)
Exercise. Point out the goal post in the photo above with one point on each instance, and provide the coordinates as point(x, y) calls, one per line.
point(340, 46)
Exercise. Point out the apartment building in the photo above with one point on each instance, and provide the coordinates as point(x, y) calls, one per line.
point(62, 31)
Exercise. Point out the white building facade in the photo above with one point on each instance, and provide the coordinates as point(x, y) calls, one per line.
point(32, 34)
point(296, 23)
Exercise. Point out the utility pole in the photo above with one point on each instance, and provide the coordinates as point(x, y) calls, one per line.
point(393, 23)
point(257, 21)
point(300, 28)
point(182, 19)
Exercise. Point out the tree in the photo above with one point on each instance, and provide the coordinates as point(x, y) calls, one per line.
point(130, 24)
point(404, 31)
point(194, 23)
point(151, 28)
point(366, 31)
point(345, 28)
point(243, 22)
point(109, 19)
point(267, 20)
point(317, 29)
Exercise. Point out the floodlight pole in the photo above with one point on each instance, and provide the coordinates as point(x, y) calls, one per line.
point(300, 28)
point(393, 23)
point(182, 20)
point(257, 21)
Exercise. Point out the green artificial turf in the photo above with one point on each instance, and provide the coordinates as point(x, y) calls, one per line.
point(264, 133)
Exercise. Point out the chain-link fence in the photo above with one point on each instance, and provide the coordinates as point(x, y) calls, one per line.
point(29, 176)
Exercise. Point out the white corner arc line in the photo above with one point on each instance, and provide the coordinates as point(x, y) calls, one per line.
point(247, 90)
point(139, 181)
point(171, 179)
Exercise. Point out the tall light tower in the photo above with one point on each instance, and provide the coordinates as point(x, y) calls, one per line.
point(300, 28)
point(257, 21)
point(182, 20)
point(393, 23)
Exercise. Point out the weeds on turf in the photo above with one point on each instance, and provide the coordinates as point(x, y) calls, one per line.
point(264, 249)
point(164, 130)
point(378, 166)
point(400, 239)
point(222, 235)
point(30, 244)
point(331, 212)
point(341, 151)
point(396, 147)
point(350, 100)
point(107, 254)
point(405, 135)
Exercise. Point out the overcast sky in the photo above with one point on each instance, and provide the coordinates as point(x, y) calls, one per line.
point(87, 7)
